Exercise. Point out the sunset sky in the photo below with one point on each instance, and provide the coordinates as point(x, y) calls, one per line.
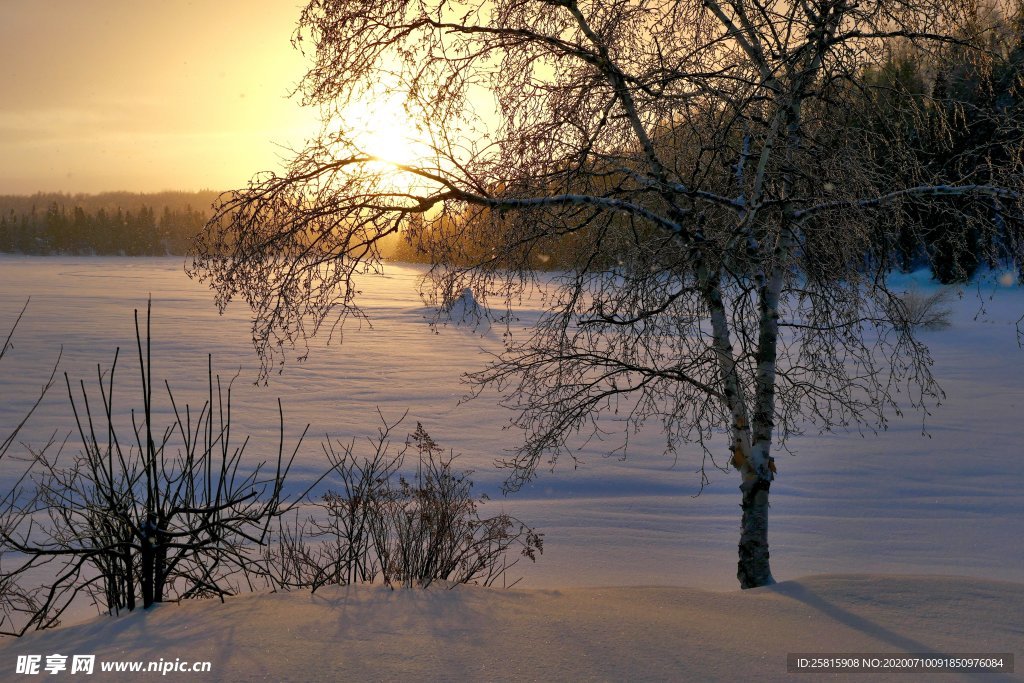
point(145, 96)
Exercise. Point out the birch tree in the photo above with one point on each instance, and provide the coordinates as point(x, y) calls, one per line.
point(711, 171)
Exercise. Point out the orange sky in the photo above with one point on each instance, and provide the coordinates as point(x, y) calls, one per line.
point(145, 95)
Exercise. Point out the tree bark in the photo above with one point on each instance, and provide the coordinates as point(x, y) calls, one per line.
point(754, 569)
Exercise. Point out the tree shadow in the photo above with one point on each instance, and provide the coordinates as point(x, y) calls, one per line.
point(904, 644)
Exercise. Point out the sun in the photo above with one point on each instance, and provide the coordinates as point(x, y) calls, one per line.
point(380, 125)
point(378, 121)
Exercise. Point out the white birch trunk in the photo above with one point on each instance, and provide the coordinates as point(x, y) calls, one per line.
point(754, 566)
point(749, 457)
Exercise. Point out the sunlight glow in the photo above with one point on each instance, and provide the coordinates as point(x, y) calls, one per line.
point(380, 125)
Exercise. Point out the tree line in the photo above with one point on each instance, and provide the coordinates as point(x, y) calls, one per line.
point(962, 125)
point(106, 224)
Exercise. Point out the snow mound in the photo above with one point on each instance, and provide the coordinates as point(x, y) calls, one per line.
point(466, 310)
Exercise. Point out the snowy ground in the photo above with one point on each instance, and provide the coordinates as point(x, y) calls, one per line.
point(897, 504)
point(573, 634)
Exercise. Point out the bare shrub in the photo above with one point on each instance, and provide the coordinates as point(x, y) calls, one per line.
point(407, 531)
point(334, 545)
point(927, 311)
point(166, 513)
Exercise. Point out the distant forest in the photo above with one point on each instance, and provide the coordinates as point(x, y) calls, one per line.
point(112, 223)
